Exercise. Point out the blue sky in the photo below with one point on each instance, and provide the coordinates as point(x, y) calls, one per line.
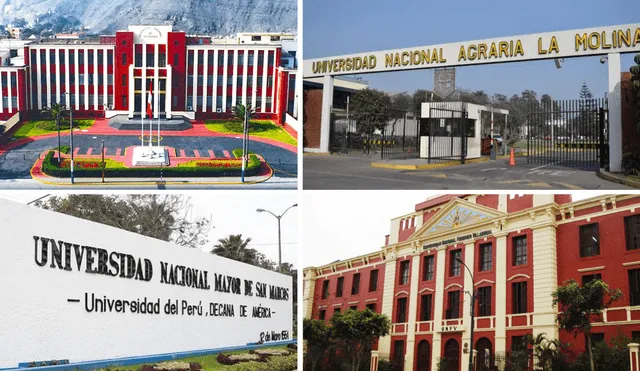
point(336, 27)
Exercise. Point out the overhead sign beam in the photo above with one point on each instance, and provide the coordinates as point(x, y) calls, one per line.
point(550, 45)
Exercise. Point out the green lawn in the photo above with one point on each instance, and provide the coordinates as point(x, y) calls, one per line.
point(33, 128)
point(258, 128)
point(210, 363)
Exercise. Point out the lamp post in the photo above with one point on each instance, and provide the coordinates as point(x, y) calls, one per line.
point(71, 135)
point(103, 164)
point(473, 301)
point(279, 232)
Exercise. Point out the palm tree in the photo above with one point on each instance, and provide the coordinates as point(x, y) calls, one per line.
point(234, 247)
point(55, 111)
point(244, 113)
point(544, 350)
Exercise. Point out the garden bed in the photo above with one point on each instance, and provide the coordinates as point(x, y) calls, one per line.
point(92, 168)
point(257, 128)
point(34, 128)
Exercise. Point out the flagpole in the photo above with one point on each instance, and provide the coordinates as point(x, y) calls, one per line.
point(142, 125)
point(151, 114)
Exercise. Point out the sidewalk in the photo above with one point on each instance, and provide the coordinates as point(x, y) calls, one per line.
point(424, 164)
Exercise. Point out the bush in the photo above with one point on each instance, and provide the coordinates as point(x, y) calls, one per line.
point(631, 163)
point(93, 168)
point(384, 365)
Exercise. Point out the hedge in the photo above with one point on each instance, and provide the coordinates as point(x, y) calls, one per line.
point(93, 168)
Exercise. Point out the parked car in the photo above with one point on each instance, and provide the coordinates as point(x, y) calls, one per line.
point(498, 138)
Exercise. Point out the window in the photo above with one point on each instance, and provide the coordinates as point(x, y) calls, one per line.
point(200, 80)
point(199, 101)
point(124, 100)
point(519, 297)
point(454, 264)
point(190, 102)
point(220, 80)
point(124, 79)
point(596, 301)
point(109, 59)
point(398, 353)
point(595, 339)
point(427, 273)
point(259, 81)
point(219, 102)
point(230, 80)
point(81, 79)
point(355, 286)
point(150, 60)
point(518, 343)
point(426, 302)
point(336, 311)
point(404, 272)
point(340, 286)
point(484, 301)
point(230, 58)
point(250, 59)
point(249, 80)
point(209, 101)
point(240, 59)
point(632, 231)
point(91, 97)
point(220, 58)
point(176, 59)
point(109, 79)
point(260, 59)
point(371, 306)
point(270, 59)
point(373, 280)
point(353, 307)
point(90, 56)
point(124, 59)
point(589, 240)
point(210, 80)
point(453, 305)
point(520, 250)
point(634, 287)
point(325, 289)
point(269, 81)
point(210, 58)
point(635, 336)
point(200, 58)
point(401, 310)
point(255, 38)
point(190, 59)
point(322, 314)
point(486, 257)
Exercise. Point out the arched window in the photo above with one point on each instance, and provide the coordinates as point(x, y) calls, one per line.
point(452, 355)
point(424, 356)
point(485, 352)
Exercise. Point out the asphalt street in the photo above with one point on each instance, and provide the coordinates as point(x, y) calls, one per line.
point(16, 164)
point(343, 172)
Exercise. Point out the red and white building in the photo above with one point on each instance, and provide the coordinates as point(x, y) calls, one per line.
point(519, 248)
point(199, 77)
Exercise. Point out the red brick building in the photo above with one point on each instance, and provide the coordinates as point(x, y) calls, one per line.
point(519, 248)
point(195, 76)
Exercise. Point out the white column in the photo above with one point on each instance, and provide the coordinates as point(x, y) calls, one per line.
point(18, 91)
point(194, 83)
point(57, 56)
point(76, 80)
point(132, 92)
point(234, 85)
point(48, 74)
point(224, 81)
point(245, 73)
point(169, 98)
point(39, 82)
point(67, 72)
point(273, 83)
point(156, 82)
point(205, 76)
point(327, 103)
point(254, 86)
point(105, 78)
point(86, 79)
point(500, 345)
point(469, 256)
point(265, 67)
point(413, 312)
point(298, 95)
point(545, 280)
point(1, 100)
point(438, 306)
point(615, 113)
point(10, 101)
point(384, 343)
point(96, 71)
point(308, 293)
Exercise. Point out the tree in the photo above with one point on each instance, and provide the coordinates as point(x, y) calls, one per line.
point(165, 217)
point(244, 113)
point(55, 111)
point(318, 337)
point(234, 247)
point(370, 109)
point(580, 305)
point(635, 84)
point(356, 330)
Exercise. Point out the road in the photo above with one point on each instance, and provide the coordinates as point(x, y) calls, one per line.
point(342, 172)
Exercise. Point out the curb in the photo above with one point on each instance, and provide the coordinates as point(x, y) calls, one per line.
point(384, 165)
point(621, 179)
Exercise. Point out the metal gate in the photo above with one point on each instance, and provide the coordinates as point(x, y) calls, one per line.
point(445, 132)
point(398, 139)
point(569, 133)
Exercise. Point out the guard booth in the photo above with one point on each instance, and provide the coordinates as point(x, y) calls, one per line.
point(453, 131)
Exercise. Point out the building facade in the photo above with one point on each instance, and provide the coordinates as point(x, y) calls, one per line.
point(519, 248)
point(198, 77)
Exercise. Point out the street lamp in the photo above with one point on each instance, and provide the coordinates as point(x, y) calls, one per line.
point(279, 234)
point(71, 135)
point(473, 301)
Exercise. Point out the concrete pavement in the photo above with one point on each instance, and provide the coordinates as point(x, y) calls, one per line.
point(342, 172)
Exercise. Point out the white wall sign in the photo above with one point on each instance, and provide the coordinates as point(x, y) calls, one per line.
point(561, 44)
point(77, 290)
point(150, 34)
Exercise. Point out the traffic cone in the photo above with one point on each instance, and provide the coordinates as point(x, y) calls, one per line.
point(512, 158)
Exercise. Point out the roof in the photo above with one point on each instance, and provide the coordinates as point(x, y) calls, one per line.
point(436, 201)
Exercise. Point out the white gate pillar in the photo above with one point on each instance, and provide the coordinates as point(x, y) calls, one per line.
point(633, 356)
point(327, 103)
point(615, 113)
point(374, 361)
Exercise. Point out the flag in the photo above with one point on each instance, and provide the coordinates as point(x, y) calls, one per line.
point(150, 101)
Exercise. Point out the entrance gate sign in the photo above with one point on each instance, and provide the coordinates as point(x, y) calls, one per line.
point(550, 45)
point(77, 290)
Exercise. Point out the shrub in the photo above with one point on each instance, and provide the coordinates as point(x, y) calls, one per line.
point(384, 365)
point(93, 168)
point(232, 359)
point(631, 163)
